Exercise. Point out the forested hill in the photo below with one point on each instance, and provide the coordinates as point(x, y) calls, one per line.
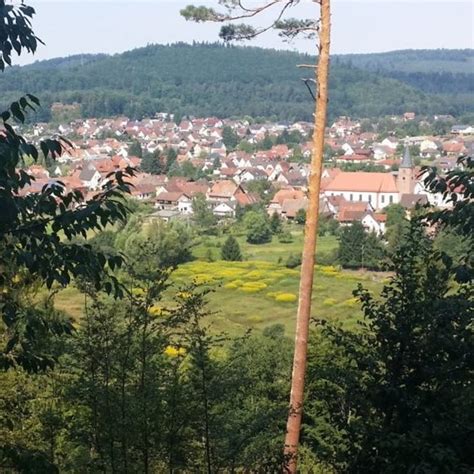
point(438, 71)
point(211, 79)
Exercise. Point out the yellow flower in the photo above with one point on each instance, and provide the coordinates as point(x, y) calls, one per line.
point(156, 310)
point(16, 279)
point(172, 351)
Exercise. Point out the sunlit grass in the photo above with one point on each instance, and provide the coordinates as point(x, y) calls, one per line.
point(260, 291)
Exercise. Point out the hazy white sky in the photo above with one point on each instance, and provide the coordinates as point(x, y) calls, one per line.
point(110, 26)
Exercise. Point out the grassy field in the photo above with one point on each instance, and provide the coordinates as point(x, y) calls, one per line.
point(272, 252)
point(261, 291)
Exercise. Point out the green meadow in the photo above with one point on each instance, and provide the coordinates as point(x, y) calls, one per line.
point(260, 291)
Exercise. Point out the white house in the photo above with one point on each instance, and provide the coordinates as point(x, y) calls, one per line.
point(90, 177)
point(224, 209)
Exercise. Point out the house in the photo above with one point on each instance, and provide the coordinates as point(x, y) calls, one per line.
point(166, 215)
point(292, 178)
point(250, 174)
point(453, 148)
point(224, 209)
point(462, 129)
point(290, 207)
point(90, 177)
point(223, 191)
point(372, 222)
point(174, 200)
point(143, 191)
point(410, 201)
point(280, 196)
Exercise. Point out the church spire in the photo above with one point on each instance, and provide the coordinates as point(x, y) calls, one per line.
point(407, 161)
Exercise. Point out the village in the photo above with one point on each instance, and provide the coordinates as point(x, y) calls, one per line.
point(266, 164)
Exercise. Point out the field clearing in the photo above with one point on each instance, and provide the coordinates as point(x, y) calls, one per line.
point(256, 294)
point(260, 291)
point(274, 251)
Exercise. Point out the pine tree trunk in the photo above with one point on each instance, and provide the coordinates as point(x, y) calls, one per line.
point(309, 246)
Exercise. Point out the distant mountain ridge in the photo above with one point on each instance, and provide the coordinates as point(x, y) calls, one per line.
point(227, 81)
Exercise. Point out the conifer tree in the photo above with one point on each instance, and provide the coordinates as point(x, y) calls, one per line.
point(275, 223)
point(231, 250)
point(288, 29)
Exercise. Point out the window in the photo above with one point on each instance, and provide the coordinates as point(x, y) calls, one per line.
point(370, 197)
point(382, 199)
point(391, 199)
point(351, 197)
point(360, 197)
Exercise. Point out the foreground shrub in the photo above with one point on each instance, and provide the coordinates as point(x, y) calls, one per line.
point(293, 261)
point(285, 238)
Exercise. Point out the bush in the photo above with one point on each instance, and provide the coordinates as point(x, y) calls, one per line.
point(300, 217)
point(327, 258)
point(293, 261)
point(258, 228)
point(285, 238)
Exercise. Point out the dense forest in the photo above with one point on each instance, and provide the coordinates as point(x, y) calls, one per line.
point(449, 73)
point(228, 81)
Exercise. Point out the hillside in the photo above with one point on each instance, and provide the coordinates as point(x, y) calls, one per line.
point(449, 73)
point(211, 79)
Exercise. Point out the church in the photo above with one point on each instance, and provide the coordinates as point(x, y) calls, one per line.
point(379, 189)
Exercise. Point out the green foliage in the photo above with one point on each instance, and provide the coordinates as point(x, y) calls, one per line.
point(135, 149)
point(38, 237)
point(397, 392)
point(171, 156)
point(152, 163)
point(166, 245)
point(230, 138)
point(276, 224)
point(17, 33)
point(300, 217)
point(396, 226)
point(203, 215)
point(357, 248)
point(230, 251)
point(219, 86)
point(258, 228)
point(457, 188)
point(293, 261)
point(328, 225)
point(285, 237)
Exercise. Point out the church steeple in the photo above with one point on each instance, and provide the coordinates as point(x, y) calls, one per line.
point(406, 174)
point(407, 161)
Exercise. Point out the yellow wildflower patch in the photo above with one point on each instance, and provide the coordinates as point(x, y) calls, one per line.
point(172, 351)
point(285, 298)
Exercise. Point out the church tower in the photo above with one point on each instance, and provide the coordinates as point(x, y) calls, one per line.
point(406, 174)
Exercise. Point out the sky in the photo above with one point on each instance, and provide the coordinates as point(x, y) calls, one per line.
point(359, 26)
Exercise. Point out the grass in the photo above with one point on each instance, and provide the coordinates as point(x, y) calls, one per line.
point(256, 294)
point(261, 291)
point(274, 251)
